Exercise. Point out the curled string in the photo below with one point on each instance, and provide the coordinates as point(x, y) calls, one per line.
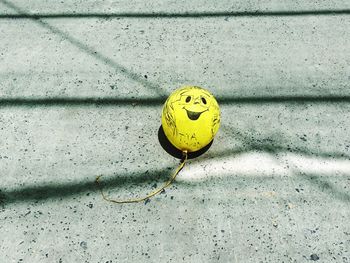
point(148, 196)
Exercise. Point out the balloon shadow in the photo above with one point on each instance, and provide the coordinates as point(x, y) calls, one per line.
point(173, 151)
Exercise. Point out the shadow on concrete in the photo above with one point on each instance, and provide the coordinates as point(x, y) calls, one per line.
point(153, 101)
point(283, 99)
point(44, 192)
point(88, 50)
point(326, 187)
point(173, 151)
point(273, 150)
point(80, 102)
point(327, 12)
point(272, 146)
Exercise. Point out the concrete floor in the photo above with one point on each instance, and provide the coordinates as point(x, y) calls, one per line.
point(82, 87)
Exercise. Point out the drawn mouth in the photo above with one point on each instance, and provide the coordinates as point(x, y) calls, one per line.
point(193, 115)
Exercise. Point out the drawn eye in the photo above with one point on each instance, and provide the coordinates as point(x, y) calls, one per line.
point(204, 100)
point(188, 99)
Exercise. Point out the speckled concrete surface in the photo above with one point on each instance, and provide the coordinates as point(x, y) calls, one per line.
point(82, 96)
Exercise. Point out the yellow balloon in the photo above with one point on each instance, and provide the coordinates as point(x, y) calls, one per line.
point(190, 118)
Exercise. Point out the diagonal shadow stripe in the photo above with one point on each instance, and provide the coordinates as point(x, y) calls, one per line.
point(92, 52)
point(44, 192)
point(273, 147)
point(65, 190)
point(155, 101)
point(324, 186)
point(327, 12)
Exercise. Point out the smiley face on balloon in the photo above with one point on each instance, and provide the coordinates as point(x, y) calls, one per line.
point(190, 118)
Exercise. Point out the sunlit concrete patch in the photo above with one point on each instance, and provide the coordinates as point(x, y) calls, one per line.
point(316, 165)
point(262, 164)
point(247, 164)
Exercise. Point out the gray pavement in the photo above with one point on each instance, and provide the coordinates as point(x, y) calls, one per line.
point(81, 91)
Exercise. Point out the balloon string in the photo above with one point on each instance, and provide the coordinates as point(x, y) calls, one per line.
point(141, 199)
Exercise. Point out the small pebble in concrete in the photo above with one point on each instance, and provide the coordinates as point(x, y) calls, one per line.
point(83, 244)
point(314, 257)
